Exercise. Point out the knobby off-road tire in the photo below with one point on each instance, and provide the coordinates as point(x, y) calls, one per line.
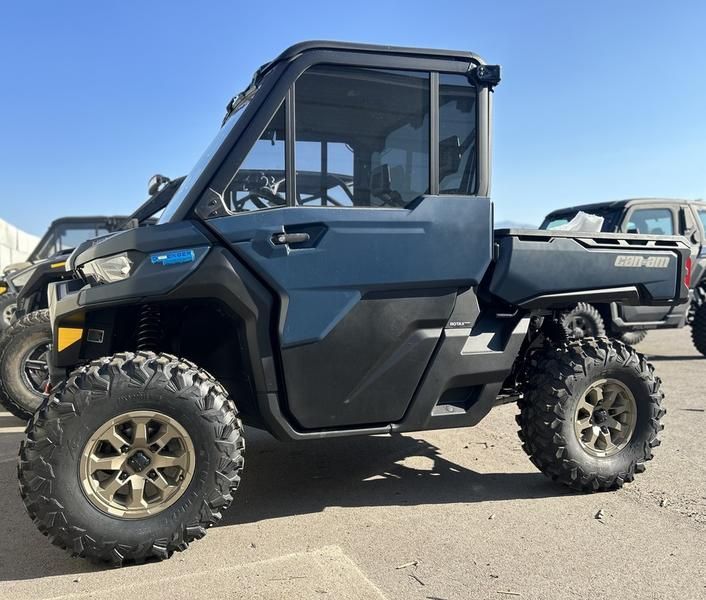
point(583, 321)
point(632, 338)
point(8, 306)
point(23, 364)
point(113, 395)
point(554, 405)
point(698, 329)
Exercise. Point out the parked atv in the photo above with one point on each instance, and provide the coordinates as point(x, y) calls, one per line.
point(51, 250)
point(387, 306)
point(24, 346)
point(653, 216)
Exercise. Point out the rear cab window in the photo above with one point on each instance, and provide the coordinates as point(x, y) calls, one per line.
point(611, 218)
point(554, 223)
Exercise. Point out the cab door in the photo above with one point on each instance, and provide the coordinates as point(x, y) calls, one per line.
point(358, 206)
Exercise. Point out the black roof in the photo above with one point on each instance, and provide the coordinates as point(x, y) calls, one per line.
point(297, 49)
point(616, 204)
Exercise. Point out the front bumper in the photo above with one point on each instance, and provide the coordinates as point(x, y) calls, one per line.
point(63, 299)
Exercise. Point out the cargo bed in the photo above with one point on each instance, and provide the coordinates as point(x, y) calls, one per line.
point(549, 269)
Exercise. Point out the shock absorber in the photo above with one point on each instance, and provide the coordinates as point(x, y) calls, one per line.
point(149, 330)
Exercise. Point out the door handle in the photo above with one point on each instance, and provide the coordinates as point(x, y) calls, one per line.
point(290, 238)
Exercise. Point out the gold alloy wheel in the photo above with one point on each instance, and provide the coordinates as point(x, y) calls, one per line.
point(605, 417)
point(137, 464)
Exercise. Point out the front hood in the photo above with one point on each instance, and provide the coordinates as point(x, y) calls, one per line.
point(71, 260)
point(14, 267)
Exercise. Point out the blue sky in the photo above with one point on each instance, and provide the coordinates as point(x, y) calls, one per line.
point(599, 99)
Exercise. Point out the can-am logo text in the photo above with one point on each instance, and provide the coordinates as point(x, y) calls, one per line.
point(648, 262)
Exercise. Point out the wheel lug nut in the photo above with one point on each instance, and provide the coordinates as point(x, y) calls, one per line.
point(123, 475)
point(154, 447)
point(125, 449)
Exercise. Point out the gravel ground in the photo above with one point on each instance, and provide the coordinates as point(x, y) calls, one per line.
point(440, 515)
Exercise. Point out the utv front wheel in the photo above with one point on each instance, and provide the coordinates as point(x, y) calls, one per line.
point(24, 371)
point(592, 414)
point(132, 458)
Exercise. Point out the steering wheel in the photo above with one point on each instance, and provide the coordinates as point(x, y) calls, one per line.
point(263, 192)
point(344, 186)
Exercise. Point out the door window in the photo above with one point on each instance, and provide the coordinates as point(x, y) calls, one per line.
point(702, 217)
point(362, 137)
point(259, 181)
point(457, 135)
point(324, 174)
point(651, 221)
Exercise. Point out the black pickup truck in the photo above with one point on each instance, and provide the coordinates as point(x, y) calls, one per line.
point(385, 304)
point(651, 216)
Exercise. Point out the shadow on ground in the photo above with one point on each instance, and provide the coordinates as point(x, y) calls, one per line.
point(672, 357)
point(285, 479)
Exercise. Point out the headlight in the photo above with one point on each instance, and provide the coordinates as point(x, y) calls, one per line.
point(108, 269)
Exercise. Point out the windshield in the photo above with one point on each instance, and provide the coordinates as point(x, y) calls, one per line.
point(191, 178)
point(611, 218)
point(151, 210)
point(68, 236)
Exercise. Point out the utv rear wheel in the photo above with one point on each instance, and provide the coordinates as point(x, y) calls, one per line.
point(698, 329)
point(132, 458)
point(583, 321)
point(592, 414)
point(8, 308)
point(632, 338)
point(24, 371)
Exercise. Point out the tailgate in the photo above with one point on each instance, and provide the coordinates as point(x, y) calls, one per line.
point(552, 269)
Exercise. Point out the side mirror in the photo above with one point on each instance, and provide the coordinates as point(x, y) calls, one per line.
point(156, 183)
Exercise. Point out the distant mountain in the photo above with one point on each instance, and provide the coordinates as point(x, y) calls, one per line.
point(513, 225)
